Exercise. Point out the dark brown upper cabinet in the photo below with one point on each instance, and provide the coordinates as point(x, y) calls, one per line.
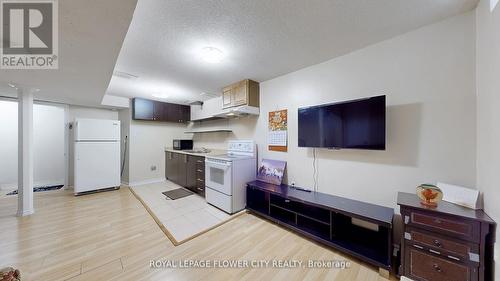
point(143, 109)
point(176, 113)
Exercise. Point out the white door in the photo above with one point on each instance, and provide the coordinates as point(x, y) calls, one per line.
point(218, 175)
point(97, 165)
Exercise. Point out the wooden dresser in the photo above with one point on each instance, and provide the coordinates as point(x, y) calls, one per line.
point(445, 243)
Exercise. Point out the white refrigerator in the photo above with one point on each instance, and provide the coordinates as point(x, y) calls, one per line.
point(96, 154)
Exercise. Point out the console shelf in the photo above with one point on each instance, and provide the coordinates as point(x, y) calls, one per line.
point(360, 229)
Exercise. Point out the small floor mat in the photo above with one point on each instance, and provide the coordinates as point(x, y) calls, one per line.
point(177, 193)
point(40, 189)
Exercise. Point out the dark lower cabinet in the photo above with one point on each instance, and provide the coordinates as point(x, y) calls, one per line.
point(172, 164)
point(191, 172)
point(182, 172)
point(196, 174)
point(149, 110)
point(186, 170)
point(448, 242)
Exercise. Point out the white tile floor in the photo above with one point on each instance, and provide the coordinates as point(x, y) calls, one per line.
point(184, 217)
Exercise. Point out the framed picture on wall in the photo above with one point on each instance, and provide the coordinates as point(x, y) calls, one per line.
point(278, 130)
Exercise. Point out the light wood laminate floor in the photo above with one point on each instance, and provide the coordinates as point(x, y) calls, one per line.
point(110, 236)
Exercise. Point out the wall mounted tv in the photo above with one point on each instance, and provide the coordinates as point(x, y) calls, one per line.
point(355, 124)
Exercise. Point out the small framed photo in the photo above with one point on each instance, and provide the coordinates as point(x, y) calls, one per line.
point(271, 171)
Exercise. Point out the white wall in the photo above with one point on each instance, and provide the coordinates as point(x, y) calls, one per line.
point(428, 77)
point(488, 110)
point(147, 148)
point(91, 112)
point(85, 112)
point(8, 149)
point(48, 135)
point(243, 128)
point(125, 118)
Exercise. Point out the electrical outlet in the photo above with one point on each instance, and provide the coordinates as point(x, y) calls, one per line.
point(153, 168)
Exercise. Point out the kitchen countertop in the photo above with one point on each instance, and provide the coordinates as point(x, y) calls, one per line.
point(212, 152)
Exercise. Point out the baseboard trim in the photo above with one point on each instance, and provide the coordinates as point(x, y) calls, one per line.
point(25, 213)
point(143, 182)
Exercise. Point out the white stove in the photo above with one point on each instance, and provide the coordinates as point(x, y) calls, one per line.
point(226, 175)
point(229, 157)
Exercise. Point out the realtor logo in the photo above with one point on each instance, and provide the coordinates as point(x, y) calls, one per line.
point(29, 34)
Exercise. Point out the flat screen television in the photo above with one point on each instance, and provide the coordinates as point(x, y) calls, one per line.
point(355, 124)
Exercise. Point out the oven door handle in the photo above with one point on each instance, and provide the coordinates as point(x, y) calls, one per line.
point(217, 164)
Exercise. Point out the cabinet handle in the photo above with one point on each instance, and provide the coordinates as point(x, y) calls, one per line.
point(199, 170)
point(454, 258)
point(199, 161)
point(199, 188)
point(434, 252)
point(436, 267)
point(287, 201)
point(200, 180)
point(437, 243)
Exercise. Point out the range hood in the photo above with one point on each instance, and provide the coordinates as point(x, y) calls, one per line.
point(238, 111)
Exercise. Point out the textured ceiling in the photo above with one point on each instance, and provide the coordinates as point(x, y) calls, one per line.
point(91, 33)
point(261, 39)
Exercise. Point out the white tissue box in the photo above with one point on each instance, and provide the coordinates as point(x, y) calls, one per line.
point(466, 197)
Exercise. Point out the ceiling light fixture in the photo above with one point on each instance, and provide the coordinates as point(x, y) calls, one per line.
point(161, 96)
point(212, 55)
point(12, 85)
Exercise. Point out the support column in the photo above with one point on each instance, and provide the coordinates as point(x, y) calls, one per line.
point(25, 153)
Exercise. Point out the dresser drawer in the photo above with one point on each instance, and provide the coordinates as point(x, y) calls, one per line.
point(200, 182)
point(423, 266)
point(449, 225)
point(200, 174)
point(200, 187)
point(456, 250)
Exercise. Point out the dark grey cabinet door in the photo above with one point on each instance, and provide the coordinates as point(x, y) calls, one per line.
point(177, 113)
point(142, 109)
point(159, 111)
point(182, 170)
point(185, 114)
point(191, 173)
point(171, 112)
point(171, 166)
point(186, 170)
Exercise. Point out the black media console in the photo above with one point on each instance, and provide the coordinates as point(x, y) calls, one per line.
point(360, 229)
